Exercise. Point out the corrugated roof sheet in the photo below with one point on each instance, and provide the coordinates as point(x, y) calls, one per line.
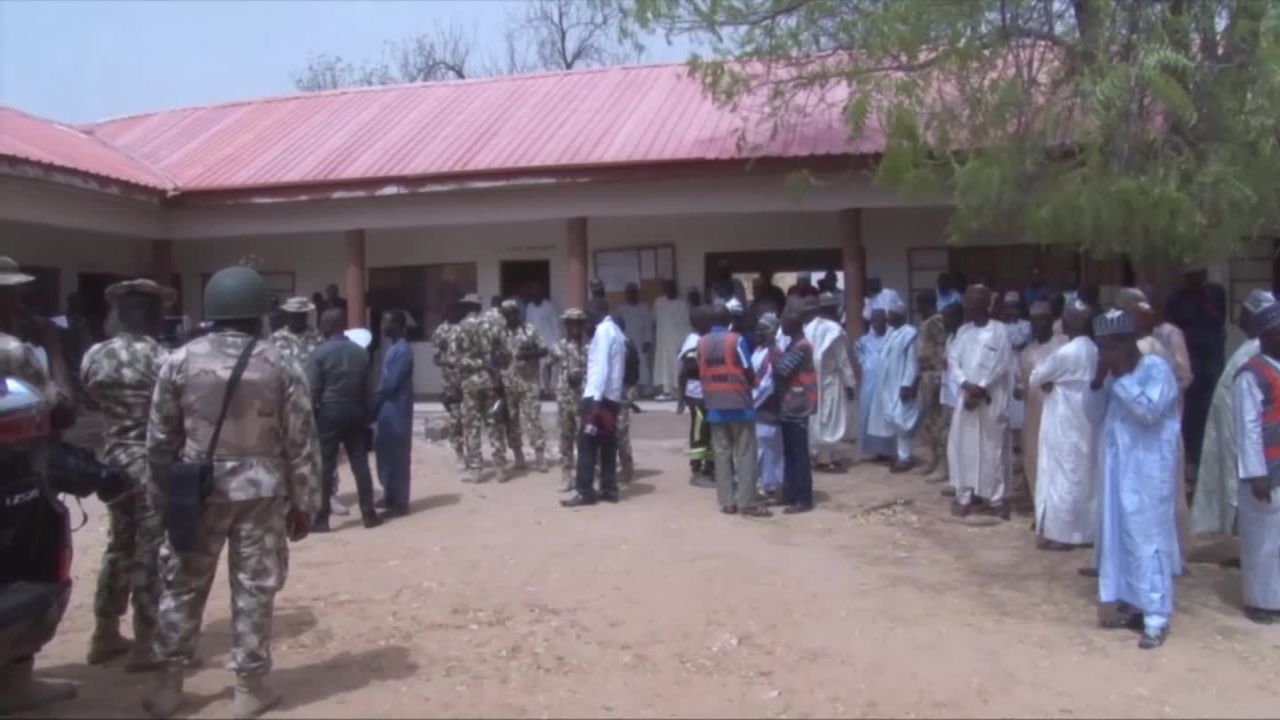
point(584, 119)
point(49, 143)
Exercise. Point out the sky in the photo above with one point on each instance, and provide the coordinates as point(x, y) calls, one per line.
point(77, 61)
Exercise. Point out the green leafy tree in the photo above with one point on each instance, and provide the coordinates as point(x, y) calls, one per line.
point(1141, 126)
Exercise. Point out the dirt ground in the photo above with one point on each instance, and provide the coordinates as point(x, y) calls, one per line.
point(491, 600)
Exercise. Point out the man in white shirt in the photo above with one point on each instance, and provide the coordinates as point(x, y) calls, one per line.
point(638, 325)
point(601, 396)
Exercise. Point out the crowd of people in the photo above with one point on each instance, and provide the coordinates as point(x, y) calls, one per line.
point(234, 441)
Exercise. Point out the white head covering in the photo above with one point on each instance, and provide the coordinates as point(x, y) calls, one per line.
point(1258, 299)
point(1267, 319)
point(734, 306)
point(895, 305)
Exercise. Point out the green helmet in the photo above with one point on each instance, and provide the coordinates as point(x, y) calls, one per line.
point(236, 293)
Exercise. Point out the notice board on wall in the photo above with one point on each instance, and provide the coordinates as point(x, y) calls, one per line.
point(645, 266)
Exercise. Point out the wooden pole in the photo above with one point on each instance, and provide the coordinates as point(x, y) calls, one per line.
point(855, 266)
point(576, 236)
point(356, 279)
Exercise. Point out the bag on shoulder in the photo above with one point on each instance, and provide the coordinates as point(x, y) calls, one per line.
point(191, 482)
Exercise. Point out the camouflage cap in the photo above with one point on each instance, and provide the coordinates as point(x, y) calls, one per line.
point(297, 305)
point(11, 274)
point(141, 286)
point(573, 314)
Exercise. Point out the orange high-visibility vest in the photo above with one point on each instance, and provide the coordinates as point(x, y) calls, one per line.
point(1268, 379)
point(725, 382)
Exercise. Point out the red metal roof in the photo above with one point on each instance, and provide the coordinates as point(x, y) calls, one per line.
point(584, 119)
point(48, 143)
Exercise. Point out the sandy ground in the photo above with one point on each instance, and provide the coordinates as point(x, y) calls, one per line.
point(491, 600)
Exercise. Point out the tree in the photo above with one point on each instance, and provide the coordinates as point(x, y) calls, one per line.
point(1146, 126)
point(569, 34)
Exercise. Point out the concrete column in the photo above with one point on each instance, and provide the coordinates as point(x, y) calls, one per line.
point(854, 258)
point(576, 236)
point(356, 279)
point(162, 261)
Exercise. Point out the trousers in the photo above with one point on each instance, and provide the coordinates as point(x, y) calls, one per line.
point(797, 483)
point(734, 446)
point(348, 433)
point(130, 573)
point(393, 454)
point(257, 565)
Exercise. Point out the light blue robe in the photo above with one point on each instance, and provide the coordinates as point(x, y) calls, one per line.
point(868, 349)
point(1138, 552)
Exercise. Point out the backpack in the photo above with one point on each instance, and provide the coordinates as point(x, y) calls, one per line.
point(631, 366)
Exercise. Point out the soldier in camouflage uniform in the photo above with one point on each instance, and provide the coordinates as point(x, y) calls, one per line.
point(443, 345)
point(520, 387)
point(119, 376)
point(570, 358)
point(297, 339)
point(265, 487)
point(481, 350)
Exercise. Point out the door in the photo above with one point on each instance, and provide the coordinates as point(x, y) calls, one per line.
point(515, 276)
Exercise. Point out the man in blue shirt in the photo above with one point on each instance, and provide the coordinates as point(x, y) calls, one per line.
point(393, 409)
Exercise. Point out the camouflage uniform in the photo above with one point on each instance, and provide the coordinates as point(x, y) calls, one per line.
point(443, 342)
point(479, 339)
point(294, 346)
point(931, 354)
point(265, 466)
point(626, 461)
point(571, 359)
point(119, 375)
point(520, 386)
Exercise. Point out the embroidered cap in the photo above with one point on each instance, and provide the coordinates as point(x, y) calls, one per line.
point(297, 305)
point(1040, 308)
point(573, 314)
point(767, 323)
point(509, 305)
point(827, 300)
point(1114, 322)
point(734, 306)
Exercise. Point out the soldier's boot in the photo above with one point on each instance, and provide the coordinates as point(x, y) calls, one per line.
point(253, 697)
point(461, 460)
point(107, 643)
point(142, 656)
point(165, 695)
point(540, 460)
point(20, 690)
point(520, 463)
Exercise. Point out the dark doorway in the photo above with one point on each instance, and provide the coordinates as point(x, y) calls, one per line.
point(92, 288)
point(746, 266)
point(516, 275)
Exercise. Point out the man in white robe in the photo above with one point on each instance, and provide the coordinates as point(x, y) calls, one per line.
point(835, 381)
point(1066, 489)
point(637, 317)
point(544, 316)
point(982, 362)
point(1257, 402)
point(894, 409)
point(671, 321)
point(1138, 552)
point(867, 351)
point(1213, 508)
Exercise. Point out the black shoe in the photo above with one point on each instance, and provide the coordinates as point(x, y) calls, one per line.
point(394, 511)
point(578, 500)
point(609, 496)
point(1150, 641)
point(320, 526)
point(1260, 616)
point(371, 521)
point(1131, 621)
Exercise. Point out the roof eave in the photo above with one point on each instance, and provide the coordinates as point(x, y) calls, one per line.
point(27, 169)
